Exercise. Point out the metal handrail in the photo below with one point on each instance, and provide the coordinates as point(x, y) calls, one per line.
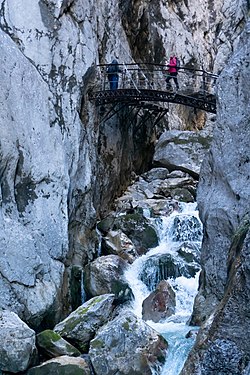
point(150, 75)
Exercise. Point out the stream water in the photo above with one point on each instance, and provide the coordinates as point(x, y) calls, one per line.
point(180, 229)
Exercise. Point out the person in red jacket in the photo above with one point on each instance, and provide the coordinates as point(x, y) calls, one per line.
point(172, 72)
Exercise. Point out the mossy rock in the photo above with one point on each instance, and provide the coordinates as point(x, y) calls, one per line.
point(138, 229)
point(182, 195)
point(106, 224)
point(51, 344)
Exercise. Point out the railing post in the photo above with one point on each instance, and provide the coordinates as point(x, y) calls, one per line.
point(104, 79)
point(203, 83)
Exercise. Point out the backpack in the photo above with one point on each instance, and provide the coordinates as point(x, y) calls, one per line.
point(112, 69)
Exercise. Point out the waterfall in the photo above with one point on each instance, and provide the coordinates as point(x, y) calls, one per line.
point(175, 260)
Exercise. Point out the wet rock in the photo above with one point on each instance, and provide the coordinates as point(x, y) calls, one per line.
point(190, 252)
point(117, 243)
point(105, 275)
point(186, 228)
point(163, 266)
point(157, 206)
point(17, 343)
point(81, 325)
point(133, 224)
point(191, 334)
point(160, 304)
point(64, 365)
point(139, 230)
point(127, 345)
point(51, 344)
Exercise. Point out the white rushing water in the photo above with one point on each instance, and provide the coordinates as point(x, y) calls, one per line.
point(173, 231)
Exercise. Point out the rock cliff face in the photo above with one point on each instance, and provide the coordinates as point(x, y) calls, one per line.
point(223, 197)
point(58, 164)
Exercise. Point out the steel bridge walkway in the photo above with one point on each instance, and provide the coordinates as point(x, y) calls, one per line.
point(143, 86)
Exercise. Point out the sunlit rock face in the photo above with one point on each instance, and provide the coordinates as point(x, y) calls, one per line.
point(223, 198)
point(55, 171)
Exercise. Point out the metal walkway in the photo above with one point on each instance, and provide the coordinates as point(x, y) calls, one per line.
point(144, 86)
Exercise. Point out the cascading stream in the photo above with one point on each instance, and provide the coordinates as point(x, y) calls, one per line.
point(181, 231)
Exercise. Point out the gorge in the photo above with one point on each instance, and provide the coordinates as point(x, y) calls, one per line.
point(66, 176)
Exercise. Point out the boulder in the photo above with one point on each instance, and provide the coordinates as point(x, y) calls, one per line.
point(168, 188)
point(184, 150)
point(105, 275)
point(139, 229)
point(182, 195)
point(163, 266)
point(155, 174)
point(51, 344)
point(17, 343)
point(160, 304)
point(127, 345)
point(117, 243)
point(81, 325)
point(64, 365)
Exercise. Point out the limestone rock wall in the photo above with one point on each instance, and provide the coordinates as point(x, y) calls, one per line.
point(223, 197)
point(52, 155)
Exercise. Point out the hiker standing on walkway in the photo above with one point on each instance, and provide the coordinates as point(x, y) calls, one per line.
point(172, 72)
point(113, 75)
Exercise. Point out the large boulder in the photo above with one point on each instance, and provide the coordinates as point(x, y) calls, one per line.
point(64, 365)
point(106, 275)
point(160, 304)
point(51, 344)
point(182, 150)
point(17, 343)
point(81, 325)
point(127, 345)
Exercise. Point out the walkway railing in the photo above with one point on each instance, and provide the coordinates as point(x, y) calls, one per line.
point(196, 86)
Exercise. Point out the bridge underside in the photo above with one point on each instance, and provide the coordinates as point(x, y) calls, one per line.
point(145, 97)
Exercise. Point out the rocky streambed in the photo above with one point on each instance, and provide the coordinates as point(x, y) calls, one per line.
point(113, 331)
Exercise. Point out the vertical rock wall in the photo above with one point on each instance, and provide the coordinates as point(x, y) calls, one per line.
point(223, 196)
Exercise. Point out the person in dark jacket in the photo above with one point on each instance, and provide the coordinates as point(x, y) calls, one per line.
point(172, 72)
point(113, 75)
